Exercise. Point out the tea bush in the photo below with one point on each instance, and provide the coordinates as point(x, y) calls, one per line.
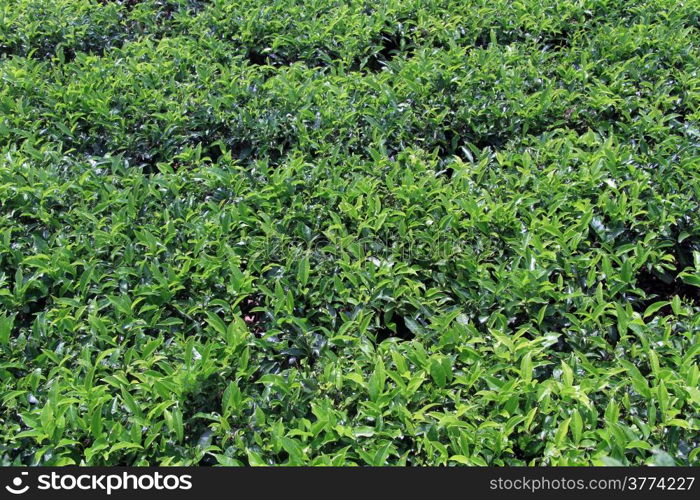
point(376, 233)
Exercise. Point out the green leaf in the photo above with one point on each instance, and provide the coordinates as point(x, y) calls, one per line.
point(576, 426)
point(377, 381)
point(655, 307)
point(526, 367)
point(567, 374)
point(6, 324)
point(304, 271)
point(125, 446)
point(255, 460)
point(662, 459)
point(217, 323)
point(691, 279)
point(441, 370)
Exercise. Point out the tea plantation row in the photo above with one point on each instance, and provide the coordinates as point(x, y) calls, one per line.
point(438, 232)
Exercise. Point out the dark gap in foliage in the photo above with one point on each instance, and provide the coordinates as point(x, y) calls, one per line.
point(128, 4)
point(556, 322)
point(663, 287)
point(208, 461)
point(656, 286)
point(204, 396)
point(449, 145)
point(161, 5)
point(390, 44)
point(393, 326)
point(683, 111)
point(683, 251)
point(35, 301)
point(579, 126)
point(455, 144)
point(608, 116)
point(527, 448)
point(258, 54)
point(556, 41)
point(445, 170)
point(147, 161)
point(293, 361)
point(241, 150)
point(30, 311)
point(168, 7)
point(69, 53)
point(542, 373)
point(273, 148)
point(214, 152)
point(483, 39)
point(252, 316)
point(256, 58)
point(275, 363)
point(48, 49)
point(562, 344)
point(109, 37)
point(491, 35)
point(518, 320)
point(495, 141)
point(612, 336)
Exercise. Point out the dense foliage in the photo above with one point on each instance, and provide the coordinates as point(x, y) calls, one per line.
point(360, 232)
